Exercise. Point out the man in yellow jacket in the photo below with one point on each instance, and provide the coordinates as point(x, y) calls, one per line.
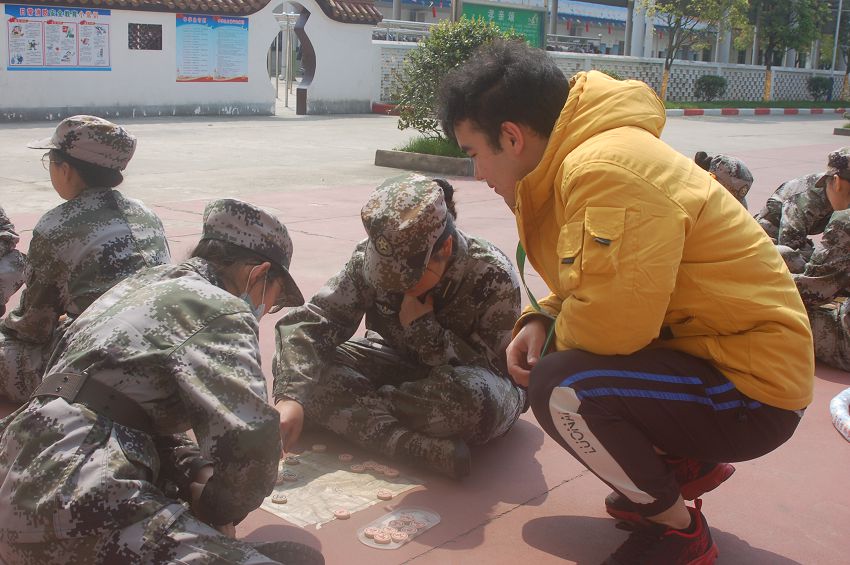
point(668, 302)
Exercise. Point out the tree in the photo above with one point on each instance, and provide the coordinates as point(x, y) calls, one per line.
point(783, 25)
point(447, 46)
point(686, 20)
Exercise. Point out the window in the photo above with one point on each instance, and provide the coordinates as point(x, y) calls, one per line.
point(146, 37)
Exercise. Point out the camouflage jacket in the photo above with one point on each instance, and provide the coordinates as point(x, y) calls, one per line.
point(12, 262)
point(79, 250)
point(475, 306)
point(827, 273)
point(797, 209)
point(187, 352)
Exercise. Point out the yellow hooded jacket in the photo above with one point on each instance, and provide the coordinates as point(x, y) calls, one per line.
point(642, 248)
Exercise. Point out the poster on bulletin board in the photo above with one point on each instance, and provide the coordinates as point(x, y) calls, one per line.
point(46, 38)
point(212, 48)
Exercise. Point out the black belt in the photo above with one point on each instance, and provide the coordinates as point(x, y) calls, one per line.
point(98, 397)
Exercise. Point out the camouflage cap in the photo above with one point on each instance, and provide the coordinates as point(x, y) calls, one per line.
point(732, 173)
point(838, 163)
point(93, 140)
point(248, 226)
point(404, 218)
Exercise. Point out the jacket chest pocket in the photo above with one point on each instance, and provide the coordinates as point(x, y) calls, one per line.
point(569, 255)
point(603, 237)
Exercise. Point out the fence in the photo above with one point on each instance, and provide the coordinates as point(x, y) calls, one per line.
point(745, 82)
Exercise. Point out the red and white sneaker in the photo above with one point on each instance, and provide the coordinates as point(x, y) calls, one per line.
point(660, 545)
point(695, 478)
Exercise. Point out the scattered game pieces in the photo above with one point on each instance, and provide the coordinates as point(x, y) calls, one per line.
point(319, 447)
point(370, 465)
point(395, 529)
point(279, 498)
point(342, 514)
point(333, 481)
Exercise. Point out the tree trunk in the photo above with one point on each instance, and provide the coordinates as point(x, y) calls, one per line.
point(768, 79)
point(665, 79)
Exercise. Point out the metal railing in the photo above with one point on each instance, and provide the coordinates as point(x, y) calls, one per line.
point(401, 30)
point(283, 65)
point(573, 43)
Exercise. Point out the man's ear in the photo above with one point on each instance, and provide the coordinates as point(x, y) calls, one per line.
point(512, 137)
point(447, 247)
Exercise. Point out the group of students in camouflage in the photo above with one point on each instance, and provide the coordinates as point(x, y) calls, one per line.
point(115, 353)
point(814, 204)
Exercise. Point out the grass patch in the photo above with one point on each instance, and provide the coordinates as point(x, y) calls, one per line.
point(432, 146)
point(760, 104)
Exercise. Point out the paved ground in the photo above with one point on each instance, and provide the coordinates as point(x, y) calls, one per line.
point(525, 500)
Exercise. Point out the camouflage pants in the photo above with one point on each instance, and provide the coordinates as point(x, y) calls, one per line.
point(12, 276)
point(21, 366)
point(831, 332)
point(172, 536)
point(794, 259)
point(372, 396)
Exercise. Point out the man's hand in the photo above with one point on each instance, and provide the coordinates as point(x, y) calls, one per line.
point(525, 349)
point(291, 422)
point(412, 309)
point(196, 488)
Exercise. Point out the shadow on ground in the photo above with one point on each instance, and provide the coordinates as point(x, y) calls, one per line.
point(588, 541)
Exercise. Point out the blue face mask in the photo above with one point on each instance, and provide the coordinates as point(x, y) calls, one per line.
point(259, 310)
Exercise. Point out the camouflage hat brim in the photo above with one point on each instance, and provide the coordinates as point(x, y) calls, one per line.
point(383, 272)
point(821, 183)
point(292, 294)
point(46, 143)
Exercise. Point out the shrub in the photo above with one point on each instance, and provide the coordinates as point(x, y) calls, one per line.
point(820, 88)
point(447, 46)
point(709, 87)
point(433, 146)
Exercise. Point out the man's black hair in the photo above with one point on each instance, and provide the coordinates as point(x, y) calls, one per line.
point(503, 81)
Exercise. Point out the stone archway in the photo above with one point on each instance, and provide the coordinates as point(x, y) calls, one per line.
point(337, 61)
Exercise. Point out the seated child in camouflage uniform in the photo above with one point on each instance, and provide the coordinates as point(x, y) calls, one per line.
point(97, 467)
point(826, 275)
point(79, 249)
point(429, 378)
point(732, 173)
point(799, 208)
point(12, 262)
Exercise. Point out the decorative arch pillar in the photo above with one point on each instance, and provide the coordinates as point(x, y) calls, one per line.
point(336, 53)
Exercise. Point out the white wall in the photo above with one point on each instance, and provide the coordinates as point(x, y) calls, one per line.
point(343, 83)
point(141, 83)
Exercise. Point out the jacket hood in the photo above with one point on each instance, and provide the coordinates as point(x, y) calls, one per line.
point(596, 103)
